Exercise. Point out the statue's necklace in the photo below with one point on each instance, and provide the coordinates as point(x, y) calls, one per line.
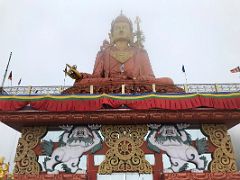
point(121, 55)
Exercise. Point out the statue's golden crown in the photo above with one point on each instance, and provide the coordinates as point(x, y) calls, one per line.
point(122, 18)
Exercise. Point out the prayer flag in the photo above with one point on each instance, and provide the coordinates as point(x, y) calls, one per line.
point(235, 70)
point(10, 76)
point(183, 69)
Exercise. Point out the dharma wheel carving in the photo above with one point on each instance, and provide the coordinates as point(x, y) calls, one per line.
point(223, 157)
point(26, 159)
point(125, 154)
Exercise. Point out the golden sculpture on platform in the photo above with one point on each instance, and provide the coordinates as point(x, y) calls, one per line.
point(125, 154)
point(223, 157)
point(26, 159)
point(4, 168)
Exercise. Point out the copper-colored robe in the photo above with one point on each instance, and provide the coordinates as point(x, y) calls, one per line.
point(136, 67)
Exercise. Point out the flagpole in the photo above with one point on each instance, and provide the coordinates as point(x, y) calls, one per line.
point(186, 83)
point(186, 77)
point(65, 74)
point(19, 82)
point(185, 74)
point(5, 74)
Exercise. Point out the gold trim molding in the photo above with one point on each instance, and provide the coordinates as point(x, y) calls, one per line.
point(26, 161)
point(223, 157)
point(125, 154)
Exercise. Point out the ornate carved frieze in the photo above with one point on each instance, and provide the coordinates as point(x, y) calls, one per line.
point(52, 177)
point(125, 154)
point(223, 157)
point(201, 176)
point(26, 159)
point(16, 119)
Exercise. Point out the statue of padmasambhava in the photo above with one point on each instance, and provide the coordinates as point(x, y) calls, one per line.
point(123, 58)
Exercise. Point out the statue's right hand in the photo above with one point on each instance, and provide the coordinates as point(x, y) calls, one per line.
point(73, 72)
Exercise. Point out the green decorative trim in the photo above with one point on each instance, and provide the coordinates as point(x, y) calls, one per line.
point(202, 145)
point(47, 147)
point(184, 167)
point(150, 145)
point(205, 161)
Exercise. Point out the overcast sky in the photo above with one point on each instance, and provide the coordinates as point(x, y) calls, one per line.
point(44, 35)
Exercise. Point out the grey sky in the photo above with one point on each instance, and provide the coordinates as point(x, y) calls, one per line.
point(44, 35)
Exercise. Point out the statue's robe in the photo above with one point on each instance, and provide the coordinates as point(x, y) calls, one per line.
point(114, 68)
point(108, 68)
point(136, 65)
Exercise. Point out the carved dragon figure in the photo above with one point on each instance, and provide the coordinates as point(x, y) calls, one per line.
point(176, 142)
point(72, 144)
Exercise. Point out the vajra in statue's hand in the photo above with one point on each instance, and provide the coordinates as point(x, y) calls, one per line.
point(72, 72)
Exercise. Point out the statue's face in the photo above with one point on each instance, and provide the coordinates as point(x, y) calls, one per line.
point(121, 31)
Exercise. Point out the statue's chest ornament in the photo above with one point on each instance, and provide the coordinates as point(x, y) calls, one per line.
point(122, 56)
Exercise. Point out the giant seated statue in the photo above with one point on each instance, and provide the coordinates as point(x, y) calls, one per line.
point(123, 60)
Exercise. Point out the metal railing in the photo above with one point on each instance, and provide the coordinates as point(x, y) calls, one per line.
point(56, 90)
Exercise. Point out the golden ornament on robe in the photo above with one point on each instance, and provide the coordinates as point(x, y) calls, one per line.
point(122, 56)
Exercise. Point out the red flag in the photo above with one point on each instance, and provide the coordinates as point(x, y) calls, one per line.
point(10, 76)
point(235, 70)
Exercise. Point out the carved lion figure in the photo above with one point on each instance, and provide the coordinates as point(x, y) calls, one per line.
point(176, 142)
point(72, 144)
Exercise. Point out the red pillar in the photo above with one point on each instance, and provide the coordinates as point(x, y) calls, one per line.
point(91, 169)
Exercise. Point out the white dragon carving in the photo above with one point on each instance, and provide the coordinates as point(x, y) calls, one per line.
point(176, 142)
